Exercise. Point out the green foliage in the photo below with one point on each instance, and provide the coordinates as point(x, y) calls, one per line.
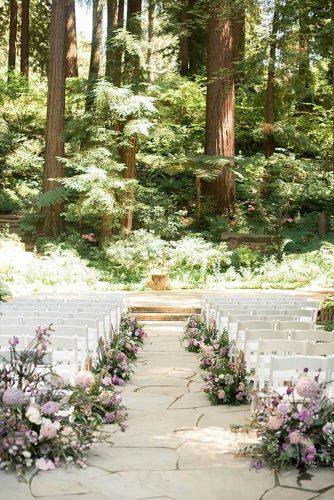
point(9, 202)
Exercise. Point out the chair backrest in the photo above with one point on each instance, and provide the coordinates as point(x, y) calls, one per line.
point(10, 320)
point(282, 345)
point(266, 312)
point(18, 313)
point(313, 335)
point(293, 366)
point(321, 349)
point(43, 321)
point(295, 325)
point(66, 345)
point(280, 317)
point(255, 335)
point(255, 324)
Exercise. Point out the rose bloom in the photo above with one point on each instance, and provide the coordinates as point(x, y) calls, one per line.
point(295, 437)
point(306, 387)
point(45, 464)
point(221, 394)
point(49, 429)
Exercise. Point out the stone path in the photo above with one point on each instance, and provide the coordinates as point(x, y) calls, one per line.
point(176, 446)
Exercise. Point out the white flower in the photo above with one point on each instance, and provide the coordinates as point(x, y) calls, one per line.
point(26, 454)
point(34, 415)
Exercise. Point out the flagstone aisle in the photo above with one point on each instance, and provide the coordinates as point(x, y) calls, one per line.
point(176, 446)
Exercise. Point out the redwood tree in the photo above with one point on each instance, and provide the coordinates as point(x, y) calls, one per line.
point(110, 50)
point(270, 94)
point(220, 102)
point(12, 35)
point(150, 31)
point(96, 49)
point(24, 66)
point(117, 75)
point(184, 39)
point(71, 44)
point(54, 133)
point(133, 26)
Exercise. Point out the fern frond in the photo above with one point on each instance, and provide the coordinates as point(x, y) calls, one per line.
point(52, 197)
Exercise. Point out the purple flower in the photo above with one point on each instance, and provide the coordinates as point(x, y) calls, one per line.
point(50, 408)
point(13, 397)
point(110, 417)
point(116, 380)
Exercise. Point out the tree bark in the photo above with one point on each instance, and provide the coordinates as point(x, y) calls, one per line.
point(53, 222)
point(71, 47)
point(128, 157)
point(12, 36)
point(96, 50)
point(110, 49)
point(220, 103)
point(305, 97)
point(270, 95)
point(117, 76)
point(239, 27)
point(150, 32)
point(184, 40)
point(24, 63)
point(133, 26)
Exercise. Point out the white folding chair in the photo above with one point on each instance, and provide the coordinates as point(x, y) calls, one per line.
point(294, 325)
point(251, 340)
point(321, 349)
point(267, 348)
point(92, 326)
point(312, 335)
point(81, 332)
point(43, 321)
point(10, 320)
point(251, 324)
point(280, 317)
point(288, 369)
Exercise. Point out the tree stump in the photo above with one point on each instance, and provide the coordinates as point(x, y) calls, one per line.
point(158, 281)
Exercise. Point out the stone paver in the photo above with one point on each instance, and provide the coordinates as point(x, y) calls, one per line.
point(177, 446)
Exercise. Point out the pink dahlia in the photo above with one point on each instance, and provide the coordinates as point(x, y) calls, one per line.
point(221, 394)
point(295, 437)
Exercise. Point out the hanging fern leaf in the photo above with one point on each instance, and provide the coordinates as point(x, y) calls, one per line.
point(52, 197)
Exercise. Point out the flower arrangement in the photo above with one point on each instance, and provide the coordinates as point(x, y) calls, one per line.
point(227, 382)
point(296, 429)
point(215, 348)
point(37, 428)
point(196, 333)
point(95, 399)
point(117, 356)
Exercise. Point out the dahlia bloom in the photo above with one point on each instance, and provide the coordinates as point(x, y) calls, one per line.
point(306, 387)
point(13, 397)
point(50, 408)
point(84, 378)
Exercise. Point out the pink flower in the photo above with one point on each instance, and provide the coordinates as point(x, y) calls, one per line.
point(307, 388)
point(84, 378)
point(221, 394)
point(89, 237)
point(275, 423)
point(110, 417)
point(295, 437)
point(45, 464)
point(14, 341)
point(49, 429)
point(50, 408)
point(251, 208)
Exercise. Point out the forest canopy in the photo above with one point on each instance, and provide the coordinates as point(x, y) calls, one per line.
point(139, 148)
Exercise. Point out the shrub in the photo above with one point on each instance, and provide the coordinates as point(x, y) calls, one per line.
point(9, 202)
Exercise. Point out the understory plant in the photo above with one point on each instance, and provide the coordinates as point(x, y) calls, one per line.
point(296, 429)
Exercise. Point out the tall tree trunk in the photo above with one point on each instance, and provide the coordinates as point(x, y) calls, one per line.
point(128, 157)
point(24, 63)
point(71, 46)
point(110, 49)
point(133, 26)
point(305, 97)
point(184, 40)
point(12, 36)
point(96, 50)
point(270, 95)
point(117, 76)
point(239, 26)
point(150, 32)
point(53, 222)
point(220, 103)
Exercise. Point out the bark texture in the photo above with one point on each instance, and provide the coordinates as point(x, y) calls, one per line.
point(12, 35)
point(270, 94)
point(53, 222)
point(220, 104)
point(96, 50)
point(24, 63)
point(71, 46)
point(110, 49)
